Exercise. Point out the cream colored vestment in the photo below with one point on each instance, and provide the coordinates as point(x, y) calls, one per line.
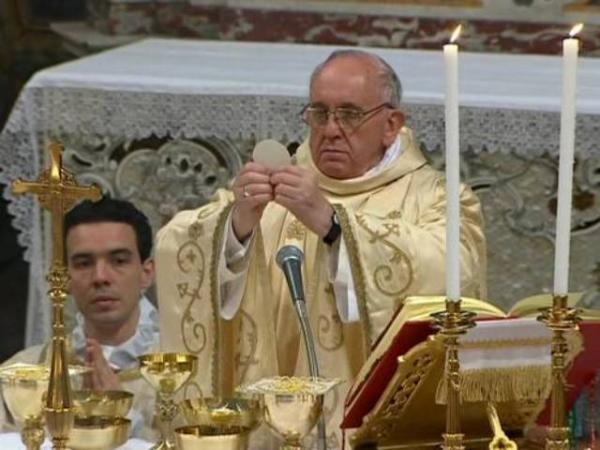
point(393, 225)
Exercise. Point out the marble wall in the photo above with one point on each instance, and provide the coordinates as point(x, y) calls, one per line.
point(523, 26)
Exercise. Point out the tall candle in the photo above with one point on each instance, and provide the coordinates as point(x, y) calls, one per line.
point(452, 171)
point(565, 170)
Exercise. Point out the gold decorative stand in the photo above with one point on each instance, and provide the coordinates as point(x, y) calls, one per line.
point(560, 318)
point(58, 192)
point(453, 323)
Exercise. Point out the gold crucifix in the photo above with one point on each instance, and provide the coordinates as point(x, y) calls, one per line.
point(58, 192)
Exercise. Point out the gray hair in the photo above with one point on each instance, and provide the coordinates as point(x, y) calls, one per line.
point(390, 83)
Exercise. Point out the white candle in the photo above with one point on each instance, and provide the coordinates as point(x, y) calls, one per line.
point(565, 170)
point(452, 171)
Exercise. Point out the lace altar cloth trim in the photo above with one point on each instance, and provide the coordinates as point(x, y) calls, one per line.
point(100, 116)
point(59, 112)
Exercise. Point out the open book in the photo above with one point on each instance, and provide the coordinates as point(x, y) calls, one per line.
point(397, 396)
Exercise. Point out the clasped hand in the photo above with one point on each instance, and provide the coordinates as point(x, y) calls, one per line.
point(295, 188)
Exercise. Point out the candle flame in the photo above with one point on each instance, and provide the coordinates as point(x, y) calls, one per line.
point(456, 34)
point(576, 29)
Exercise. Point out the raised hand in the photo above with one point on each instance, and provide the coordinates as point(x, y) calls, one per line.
point(102, 377)
point(253, 191)
point(297, 190)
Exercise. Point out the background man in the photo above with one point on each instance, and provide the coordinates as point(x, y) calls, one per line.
point(108, 248)
point(367, 211)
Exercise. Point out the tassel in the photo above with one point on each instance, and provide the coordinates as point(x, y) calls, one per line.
point(530, 383)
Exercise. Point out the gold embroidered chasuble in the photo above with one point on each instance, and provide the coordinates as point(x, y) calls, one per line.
point(393, 226)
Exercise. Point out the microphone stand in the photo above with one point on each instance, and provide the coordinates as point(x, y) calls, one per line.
point(289, 259)
point(313, 365)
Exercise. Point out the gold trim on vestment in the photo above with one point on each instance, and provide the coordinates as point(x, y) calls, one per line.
point(357, 273)
point(218, 241)
point(384, 272)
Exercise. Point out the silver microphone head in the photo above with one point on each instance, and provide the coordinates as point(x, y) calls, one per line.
point(289, 258)
point(288, 253)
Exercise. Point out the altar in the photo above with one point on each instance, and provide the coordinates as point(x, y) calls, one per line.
point(164, 122)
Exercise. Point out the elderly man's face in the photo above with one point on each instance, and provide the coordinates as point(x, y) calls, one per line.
point(342, 152)
point(107, 275)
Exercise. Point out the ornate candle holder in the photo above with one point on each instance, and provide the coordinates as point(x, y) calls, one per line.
point(292, 405)
point(167, 373)
point(452, 323)
point(559, 318)
point(58, 192)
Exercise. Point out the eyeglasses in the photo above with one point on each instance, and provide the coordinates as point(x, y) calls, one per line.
point(347, 118)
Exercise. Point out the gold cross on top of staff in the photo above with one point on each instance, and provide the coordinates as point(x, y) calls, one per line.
point(58, 192)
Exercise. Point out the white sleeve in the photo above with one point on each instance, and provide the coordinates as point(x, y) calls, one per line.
point(340, 276)
point(232, 271)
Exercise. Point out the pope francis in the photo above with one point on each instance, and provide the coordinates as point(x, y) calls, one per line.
point(366, 209)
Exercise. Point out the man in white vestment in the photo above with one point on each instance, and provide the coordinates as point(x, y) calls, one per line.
point(108, 247)
point(367, 211)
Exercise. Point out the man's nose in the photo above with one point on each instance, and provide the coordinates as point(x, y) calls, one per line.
point(101, 272)
point(332, 127)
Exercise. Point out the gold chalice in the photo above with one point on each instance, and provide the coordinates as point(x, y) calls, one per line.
point(292, 405)
point(88, 403)
point(167, 373)
point(98, 433)
point(23, 388)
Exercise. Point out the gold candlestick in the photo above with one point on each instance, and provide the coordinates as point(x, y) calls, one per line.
point(560, 319)
point(58, 192)
point(453, 323)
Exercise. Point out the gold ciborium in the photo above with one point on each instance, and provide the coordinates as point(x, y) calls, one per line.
point(222, 413)
point(88, 403)
point(167, 373)
point(202, 437)
point(98, 433)
point(23, 389)
point(292, 405)
point(214, 423)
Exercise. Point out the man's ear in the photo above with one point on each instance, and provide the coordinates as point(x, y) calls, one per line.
point(148, 273)
point(394, 123)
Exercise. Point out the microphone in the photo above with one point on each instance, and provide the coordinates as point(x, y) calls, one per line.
point(289, 259)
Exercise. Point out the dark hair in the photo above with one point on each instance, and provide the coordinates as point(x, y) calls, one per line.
point(113, 210)
point(390, 83)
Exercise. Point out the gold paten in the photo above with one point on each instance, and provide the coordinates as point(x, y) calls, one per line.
point(561, 319)
point(99, 433)
point(167, 373)
point(407, 415)
point(89, 403)
point(58, 192)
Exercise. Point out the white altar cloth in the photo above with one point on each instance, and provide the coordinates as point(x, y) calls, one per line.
point(185, 88)
point(12, 441)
